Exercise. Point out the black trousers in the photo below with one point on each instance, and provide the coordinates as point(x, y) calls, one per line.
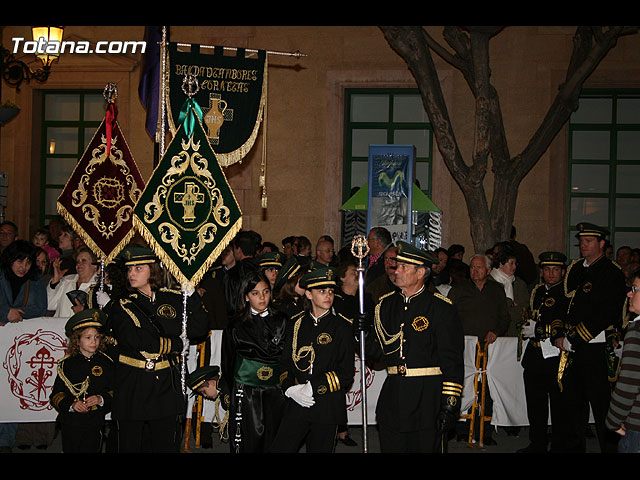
point(586, 384)
point(298, 428)
point(543, 398)
point(161, 435)
point(81, 439)
point(418, 441)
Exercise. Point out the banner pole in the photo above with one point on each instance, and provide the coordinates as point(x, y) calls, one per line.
point(296, 54)
point(360, 249)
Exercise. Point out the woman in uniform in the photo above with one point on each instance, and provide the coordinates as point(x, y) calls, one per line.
point(149, 403)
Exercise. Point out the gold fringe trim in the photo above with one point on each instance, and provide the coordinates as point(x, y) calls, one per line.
point(158, 249)
point(172, 267)
point(89, 242)
point(226, 159)
point(64, 213)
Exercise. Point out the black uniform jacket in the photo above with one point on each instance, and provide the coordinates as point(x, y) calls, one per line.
point(73, 371)
point(548, 305)
point(148, 373)
point(321, 351)
point(420, 331)
point(597, 294)
point(260, 340)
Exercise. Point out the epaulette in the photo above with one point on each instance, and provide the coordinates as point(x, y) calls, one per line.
point(298, 315)
point(616, 264)
point(386, 295)
point(571, 293)
point(350, 320)
point(170, 290)
point(63, 359)
point(533, 294)
point(111, 359)
point(443, 298)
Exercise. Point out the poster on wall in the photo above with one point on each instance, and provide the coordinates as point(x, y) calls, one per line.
point(391, 172)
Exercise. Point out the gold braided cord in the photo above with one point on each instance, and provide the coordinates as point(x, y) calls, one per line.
point(223, 424)
point(383, 336)
point(263, 166)
point(306, 351)
point(532, 298)
point(564, 358)
point(76, 389)
point(568, 293)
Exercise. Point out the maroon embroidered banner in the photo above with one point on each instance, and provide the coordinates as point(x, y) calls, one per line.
point(100, 195)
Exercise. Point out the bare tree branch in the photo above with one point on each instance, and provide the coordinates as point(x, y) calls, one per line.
point(471, 58)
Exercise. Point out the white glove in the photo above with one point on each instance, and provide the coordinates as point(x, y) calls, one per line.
point(529, 329)
point(566, 345)
point(301, 394)
point(102, 298)
point(618, 350)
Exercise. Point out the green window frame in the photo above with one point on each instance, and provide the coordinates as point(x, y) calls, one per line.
point(384, 116)
point(69, 121)
point(604, 166)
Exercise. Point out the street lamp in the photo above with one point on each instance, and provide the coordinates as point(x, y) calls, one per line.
point(14, 71)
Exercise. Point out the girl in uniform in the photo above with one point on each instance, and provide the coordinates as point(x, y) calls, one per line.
point(250, 366)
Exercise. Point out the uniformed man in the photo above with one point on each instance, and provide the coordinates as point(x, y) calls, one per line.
point(596, 288)
point(318, 369)
point(548, 308)
point(418, 334)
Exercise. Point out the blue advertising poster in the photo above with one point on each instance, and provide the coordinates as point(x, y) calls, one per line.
point(391, 172)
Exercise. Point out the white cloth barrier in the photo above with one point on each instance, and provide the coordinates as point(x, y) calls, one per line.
point(29, 352)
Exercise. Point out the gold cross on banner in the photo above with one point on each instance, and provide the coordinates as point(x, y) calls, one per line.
point(189, 198)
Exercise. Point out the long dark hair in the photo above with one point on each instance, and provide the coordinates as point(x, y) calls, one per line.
point(249, 282)
point(19, 250)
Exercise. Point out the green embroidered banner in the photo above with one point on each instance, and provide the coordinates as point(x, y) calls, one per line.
point(187, 212)
point(232, 94)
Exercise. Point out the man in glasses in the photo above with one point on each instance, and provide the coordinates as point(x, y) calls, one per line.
point(624, 409)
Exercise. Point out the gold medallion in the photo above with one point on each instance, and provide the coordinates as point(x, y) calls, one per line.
point(420, 324)
point(166, 311)
point(265, 373)
point(324, 339)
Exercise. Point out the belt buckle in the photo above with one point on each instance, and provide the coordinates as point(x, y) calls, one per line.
point(402, 369)
point(150, 364)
